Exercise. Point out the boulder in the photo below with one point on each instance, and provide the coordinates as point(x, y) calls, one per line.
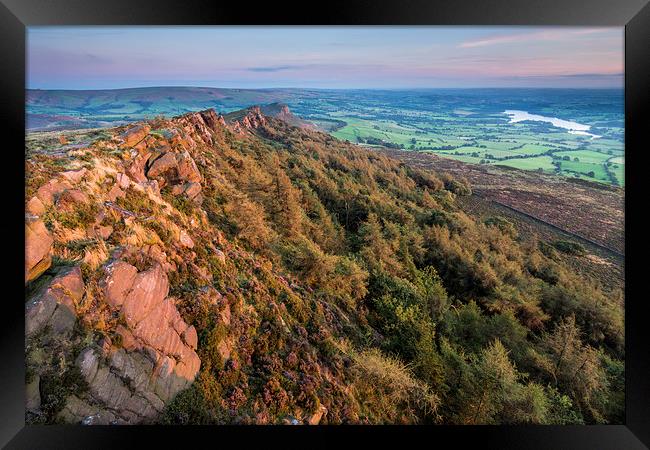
point(190, 337)
point(115, 193)
point(153, 361)
point(187, 169)
point(123, 181)
point(49, 192)
point(118, 380)
point(79, 411)
point(185, 239)
point(156, 329)
point(128, 340)
point(149, 290)
point(192, 190)
point(38, 312)
point(161, 165)
point(135, 167)
point(178, 189)
point(38, 245)
point(135, 134)
point(68, 285)
point(35, 207)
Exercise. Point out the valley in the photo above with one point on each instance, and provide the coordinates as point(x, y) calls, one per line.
point(468, 125)
point(248, 269)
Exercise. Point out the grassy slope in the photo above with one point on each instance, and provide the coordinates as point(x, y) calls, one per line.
point(377, 259)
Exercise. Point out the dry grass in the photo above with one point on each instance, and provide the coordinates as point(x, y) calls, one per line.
point(387, 390)
point(96, 255)
point(140, 236)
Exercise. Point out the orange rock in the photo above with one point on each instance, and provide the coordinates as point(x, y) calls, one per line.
point(187, 169)
point(115, 193)
point(118, 283)
point(35, 207)
point(70, 197)
point(161, 165)
point(186, 240)
point(49, 192)
point(149, 290)
point(135, 134)
point(38, 244)
point(75, 176)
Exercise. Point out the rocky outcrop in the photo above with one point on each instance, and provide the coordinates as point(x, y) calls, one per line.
point(130, 381)
point(251, 119)
point(178, 170)
point(38, 247)
point(254, 118)
point(167, 162)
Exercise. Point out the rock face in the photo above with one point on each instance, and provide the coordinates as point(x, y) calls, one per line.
point(54, 306)
point(38, 245)
point(133, 380)
point(146, 353)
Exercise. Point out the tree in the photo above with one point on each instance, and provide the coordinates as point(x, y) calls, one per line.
point(287, 212)
point(433, 292)
point(376, 251)
point(499, 396)
point(574, 368)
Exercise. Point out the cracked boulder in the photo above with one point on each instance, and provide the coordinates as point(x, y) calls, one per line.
point(54, 306)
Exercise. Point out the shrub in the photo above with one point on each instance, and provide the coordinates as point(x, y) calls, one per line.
point(387, 391)
point(570, 247)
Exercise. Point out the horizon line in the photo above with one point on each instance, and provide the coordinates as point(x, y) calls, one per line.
point(322, 88)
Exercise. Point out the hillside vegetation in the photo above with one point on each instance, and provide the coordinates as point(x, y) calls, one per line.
point(316, 282)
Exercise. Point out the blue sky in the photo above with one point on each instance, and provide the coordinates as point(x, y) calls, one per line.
point(324, 57)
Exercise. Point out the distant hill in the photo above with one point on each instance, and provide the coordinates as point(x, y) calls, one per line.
point(69, 109)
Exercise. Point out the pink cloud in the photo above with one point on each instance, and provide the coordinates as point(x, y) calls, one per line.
point(544, 35)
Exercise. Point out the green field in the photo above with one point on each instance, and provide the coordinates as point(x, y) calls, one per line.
point(532, 163)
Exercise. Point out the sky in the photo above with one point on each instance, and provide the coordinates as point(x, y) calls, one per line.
point(324, 57)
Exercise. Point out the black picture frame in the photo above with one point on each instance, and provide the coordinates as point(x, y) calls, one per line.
point(634, 15)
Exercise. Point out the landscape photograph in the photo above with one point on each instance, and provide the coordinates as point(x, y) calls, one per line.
point(301, 225)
